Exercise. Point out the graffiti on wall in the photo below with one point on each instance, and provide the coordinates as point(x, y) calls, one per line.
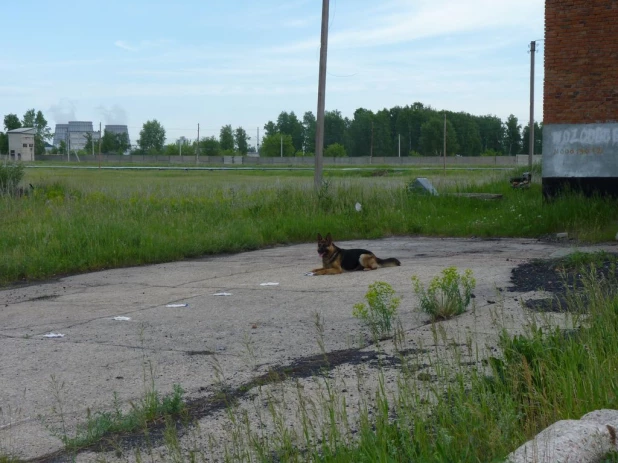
point(580, 150)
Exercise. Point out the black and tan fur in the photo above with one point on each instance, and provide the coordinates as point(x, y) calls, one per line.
point(336, 260)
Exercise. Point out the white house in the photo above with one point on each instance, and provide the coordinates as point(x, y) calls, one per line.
point(21, 144)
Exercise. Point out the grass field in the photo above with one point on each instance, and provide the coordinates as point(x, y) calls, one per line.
point(84, 220)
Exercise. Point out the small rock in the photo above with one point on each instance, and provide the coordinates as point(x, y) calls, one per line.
point(562, 235)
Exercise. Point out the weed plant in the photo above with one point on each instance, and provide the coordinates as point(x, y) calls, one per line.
point(11, 173)
point(380, 310)
point(448, 295)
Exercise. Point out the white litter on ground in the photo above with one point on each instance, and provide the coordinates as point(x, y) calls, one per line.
point(53, 335)
point(309, 274)
point(177, 305)
point(270, 283)
point(121, 319)
point(358, 207)
point(222, 294)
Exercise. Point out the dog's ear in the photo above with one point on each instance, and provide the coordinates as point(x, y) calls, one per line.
point(320, 237)
point(329, 238)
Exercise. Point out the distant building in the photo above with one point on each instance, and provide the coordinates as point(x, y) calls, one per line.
point(118, 129)
point(60, 134)
point(75, 134)
point(21, 144)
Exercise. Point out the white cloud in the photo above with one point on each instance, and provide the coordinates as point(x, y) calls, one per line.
point(122, 44)
point(141, 45)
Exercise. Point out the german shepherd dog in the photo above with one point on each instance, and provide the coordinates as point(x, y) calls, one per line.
point(336, 260)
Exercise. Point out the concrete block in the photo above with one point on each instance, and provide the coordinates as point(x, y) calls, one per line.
point(422, 185)
point(582, 441)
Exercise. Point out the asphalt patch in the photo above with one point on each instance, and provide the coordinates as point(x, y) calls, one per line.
point(559, 277)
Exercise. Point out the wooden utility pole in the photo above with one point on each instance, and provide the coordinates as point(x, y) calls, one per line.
point(531, 130)
point(319, 128)
point(371, 146)
point(100, 136)
point(197, 146)
point(444, 142)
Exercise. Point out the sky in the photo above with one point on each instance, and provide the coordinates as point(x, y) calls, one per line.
point(240, 62)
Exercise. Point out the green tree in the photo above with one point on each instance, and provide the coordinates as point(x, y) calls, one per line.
point(468, 136)
point(108, 142)
point(226, 138)
point(210, 146)
point(272, 145)
point(538, 138)
point(432, 138)
point(309, 125)
point(88, 146)
point(335, 127)
point(4, 143)
point(335, 150)
point(151, 137)
point(512, 135)
point(28, 119)
point(11, 122)
point(242, 140)
point(491, 131)
point(42, 129)
point(382, 137)
point(359, 132)
point(270, 128)
point(122, 142)
point(288, 123)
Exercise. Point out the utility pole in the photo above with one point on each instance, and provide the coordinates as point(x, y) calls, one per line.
point(444, 142)
point(100, 136)
point(281, 138)
point(371, 146)
point(531, 129)
point(319, 128)
point(257, 143)
point(399, 145)
point(197, 146)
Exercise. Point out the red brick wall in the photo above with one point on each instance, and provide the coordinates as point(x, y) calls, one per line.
point(581, 61)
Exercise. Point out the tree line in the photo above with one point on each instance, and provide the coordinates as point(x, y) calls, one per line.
point(411, 130)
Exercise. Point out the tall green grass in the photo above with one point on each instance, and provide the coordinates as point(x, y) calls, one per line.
point(73, 226)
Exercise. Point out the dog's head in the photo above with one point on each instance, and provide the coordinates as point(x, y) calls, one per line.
point(325, 245)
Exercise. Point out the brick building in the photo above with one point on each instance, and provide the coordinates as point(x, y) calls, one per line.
point(580, 114)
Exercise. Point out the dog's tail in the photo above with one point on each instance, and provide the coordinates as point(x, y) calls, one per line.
point(390, 262)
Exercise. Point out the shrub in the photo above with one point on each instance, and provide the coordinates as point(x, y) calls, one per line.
point(448, 295)
point(491, 152)
point(380, 310)
point(335, 150)
point(10, 175)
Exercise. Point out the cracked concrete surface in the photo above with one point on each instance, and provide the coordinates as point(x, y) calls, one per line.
point(99, 356)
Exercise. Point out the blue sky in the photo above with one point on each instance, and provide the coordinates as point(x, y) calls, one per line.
point(243, 62)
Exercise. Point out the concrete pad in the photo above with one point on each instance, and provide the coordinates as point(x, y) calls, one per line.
point(221, 338)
